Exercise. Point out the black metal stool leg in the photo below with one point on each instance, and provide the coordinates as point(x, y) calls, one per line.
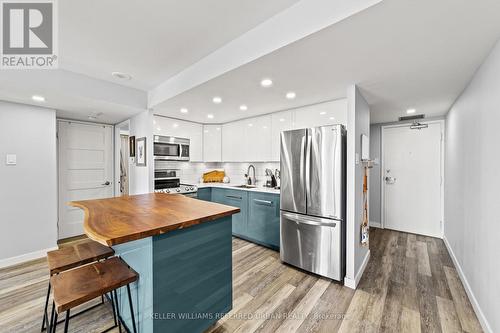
point(117, 310)
point(45, 316)
point(131, 308)
point(66, 322)
point(54, 324)
point(50, 324)
point(113, 307)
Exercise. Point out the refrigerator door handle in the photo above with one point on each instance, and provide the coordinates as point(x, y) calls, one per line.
point(310, 220)
point(308, 166)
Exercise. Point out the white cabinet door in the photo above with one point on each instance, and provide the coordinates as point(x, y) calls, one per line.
point(212, 143)
point(281, 121)
point(329, 113)
point(258, 139)
point(182, 129)
point(195, 135)
point(233, 142)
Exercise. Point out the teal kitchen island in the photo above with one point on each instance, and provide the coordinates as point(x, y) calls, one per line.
point(181, 248)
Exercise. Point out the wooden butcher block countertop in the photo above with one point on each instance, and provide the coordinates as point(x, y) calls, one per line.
point(123, 219)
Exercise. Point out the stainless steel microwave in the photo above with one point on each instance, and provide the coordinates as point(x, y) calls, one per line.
point(170, 148)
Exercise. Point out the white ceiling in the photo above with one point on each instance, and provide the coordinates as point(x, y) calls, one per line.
point(151, 40)
point(401, 53)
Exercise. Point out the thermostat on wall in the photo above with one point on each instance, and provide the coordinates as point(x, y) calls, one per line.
point(11, 159)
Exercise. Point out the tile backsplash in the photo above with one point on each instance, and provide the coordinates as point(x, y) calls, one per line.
point(191, 172)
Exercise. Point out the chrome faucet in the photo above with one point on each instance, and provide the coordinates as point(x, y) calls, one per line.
point(251, 180)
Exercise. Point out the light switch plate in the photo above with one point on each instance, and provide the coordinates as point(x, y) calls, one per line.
point(11, 159)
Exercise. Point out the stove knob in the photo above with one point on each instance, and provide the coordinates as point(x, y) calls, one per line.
point(178, 190)
point(191, 188)
point(167, 191)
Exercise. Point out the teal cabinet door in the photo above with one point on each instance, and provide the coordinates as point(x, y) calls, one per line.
point(264, 218)
point(205, 193)
point(234, 198)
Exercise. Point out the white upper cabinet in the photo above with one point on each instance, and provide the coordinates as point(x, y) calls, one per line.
point(280, 121)
point(233, 142)
point(329, 113)
point(212, 143)
point(182, 129)
point(258, 139)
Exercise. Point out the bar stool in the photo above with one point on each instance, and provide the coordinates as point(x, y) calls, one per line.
point(72, 256)
point(80, 285)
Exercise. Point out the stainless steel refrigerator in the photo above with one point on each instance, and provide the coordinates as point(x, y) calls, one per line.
point(313, 197)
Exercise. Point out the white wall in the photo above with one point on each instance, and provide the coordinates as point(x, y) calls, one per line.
point(472, 184)
point(28, 190)
point(142, 178)
point(375, 176)
point(358, 123)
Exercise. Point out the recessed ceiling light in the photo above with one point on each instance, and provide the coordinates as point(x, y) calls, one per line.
point(210, 116)
point(121, 75)
point(175, 125)
point(250, 125)
point(184, 110)
point(332, 118)
point(94, 115)
point(218, 128)
point(282, 119)
point(322, 113)
point(243, 107)
point(217, 100)
point(291, 95)
point(38, 98)
point(266, 83)
point(411, 111)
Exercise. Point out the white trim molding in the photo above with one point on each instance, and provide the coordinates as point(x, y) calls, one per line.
point(375, 224)
point(25, 257)
point(350, 283)
point(475, 304)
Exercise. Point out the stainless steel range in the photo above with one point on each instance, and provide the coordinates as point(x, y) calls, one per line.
point(167, 181)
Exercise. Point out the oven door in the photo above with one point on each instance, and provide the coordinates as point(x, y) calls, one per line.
point(161, 184)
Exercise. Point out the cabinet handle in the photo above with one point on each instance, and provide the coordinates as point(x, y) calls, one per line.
point(233, 197)
point(263, 202)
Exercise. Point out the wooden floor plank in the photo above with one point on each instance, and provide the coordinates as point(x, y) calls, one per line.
point(424, 266)
point(466, 315)
point(448, 316)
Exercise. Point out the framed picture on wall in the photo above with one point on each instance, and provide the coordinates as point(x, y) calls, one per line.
point(140, 156)
point(131, 146)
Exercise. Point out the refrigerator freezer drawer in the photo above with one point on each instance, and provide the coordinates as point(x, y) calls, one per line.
point(313, 244)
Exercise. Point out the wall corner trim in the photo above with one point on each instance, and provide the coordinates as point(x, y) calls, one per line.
point(475, 304)
point(25, 257)
point(353, 283)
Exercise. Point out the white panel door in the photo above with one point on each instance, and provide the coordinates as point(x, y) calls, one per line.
point(281, 121)
point(85, 155)
point(212, 143)
point(412, 179)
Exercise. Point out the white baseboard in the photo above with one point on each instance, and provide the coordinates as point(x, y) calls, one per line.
point(25, 257)
point(477, 309)
point(375, 224)
point(353, 283)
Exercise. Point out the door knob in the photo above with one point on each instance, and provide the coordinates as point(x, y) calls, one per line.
point(106, 183)
point(390, 180)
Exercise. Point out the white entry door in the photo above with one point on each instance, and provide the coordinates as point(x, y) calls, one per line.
point(85, 170)
point(412, 179)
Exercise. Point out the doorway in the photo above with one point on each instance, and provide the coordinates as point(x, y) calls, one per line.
point(85, 163)
point(412, 178)
point(122, 152)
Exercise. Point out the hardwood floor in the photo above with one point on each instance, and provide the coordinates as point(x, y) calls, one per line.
point(410, 285)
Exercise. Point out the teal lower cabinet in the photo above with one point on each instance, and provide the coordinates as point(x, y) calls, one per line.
point(235, 198)
point(204, 193)
point(264, 218)
point(259, 218)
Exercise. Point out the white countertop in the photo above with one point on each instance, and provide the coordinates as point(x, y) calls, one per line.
point(232, 186)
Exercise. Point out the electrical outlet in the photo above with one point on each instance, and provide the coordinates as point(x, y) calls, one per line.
point(11, 159)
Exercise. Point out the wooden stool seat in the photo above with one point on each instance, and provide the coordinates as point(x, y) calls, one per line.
point(77, 286)
point(75, 255)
